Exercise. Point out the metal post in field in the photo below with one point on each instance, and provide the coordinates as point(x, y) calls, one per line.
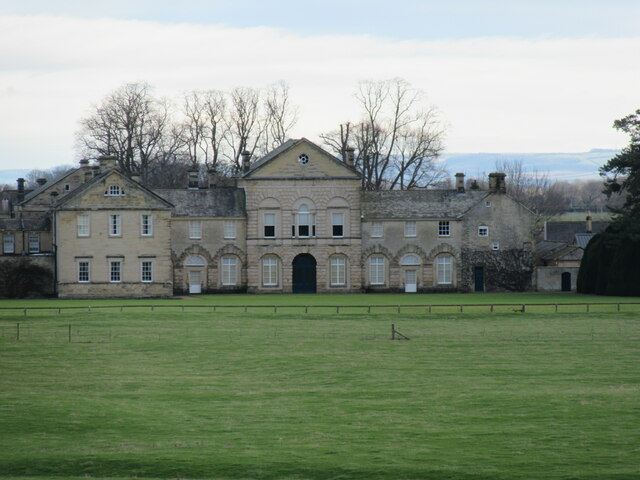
point(17, 332)
point(69, 333)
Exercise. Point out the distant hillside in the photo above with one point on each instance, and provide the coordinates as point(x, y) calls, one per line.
point(560, 166)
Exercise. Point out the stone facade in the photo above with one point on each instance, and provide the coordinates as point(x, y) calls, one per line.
point(295, 221)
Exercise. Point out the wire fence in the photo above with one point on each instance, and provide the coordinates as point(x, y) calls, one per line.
point(342, 309)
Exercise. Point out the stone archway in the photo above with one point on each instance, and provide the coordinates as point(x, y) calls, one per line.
point(304, 274)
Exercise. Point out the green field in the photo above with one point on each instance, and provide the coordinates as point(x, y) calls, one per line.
point(293, 395)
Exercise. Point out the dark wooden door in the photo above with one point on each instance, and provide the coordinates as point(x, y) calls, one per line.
point(478, 276)
point(304, 274)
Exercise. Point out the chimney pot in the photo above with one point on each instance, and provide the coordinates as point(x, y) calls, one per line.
point(192, 177)
point(460, 182)
point(107, 162)
point(497, 183)
point(349, 156)
point(246, 161)
point(589, 226)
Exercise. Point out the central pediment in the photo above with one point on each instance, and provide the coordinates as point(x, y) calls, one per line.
point(300, 159)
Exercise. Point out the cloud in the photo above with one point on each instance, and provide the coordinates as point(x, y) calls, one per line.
point(497, 94)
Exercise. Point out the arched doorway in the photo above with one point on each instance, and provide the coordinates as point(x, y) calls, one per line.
point(304, 274)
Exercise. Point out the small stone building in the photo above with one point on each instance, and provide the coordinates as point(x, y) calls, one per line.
point(295, 220)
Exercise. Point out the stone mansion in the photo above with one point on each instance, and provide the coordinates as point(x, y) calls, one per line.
point(296, 220)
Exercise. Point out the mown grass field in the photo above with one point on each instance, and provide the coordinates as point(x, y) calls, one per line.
point(233, 395)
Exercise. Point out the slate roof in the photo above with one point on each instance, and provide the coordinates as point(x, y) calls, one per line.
point(39, 223)
point(548, 251)
point(583, 239)
point(419, 203)
point(40, 188)
point(566, 231)
point(210, 202)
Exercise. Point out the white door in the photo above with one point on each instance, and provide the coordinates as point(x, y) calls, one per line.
point(411, 281)
point(194, 282)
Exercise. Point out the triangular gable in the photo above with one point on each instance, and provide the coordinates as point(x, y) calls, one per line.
point(96, 194)
point(300, 159)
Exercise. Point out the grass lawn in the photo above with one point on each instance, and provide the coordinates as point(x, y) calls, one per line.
point(229, 395)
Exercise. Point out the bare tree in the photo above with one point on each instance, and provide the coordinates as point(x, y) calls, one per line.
point(245, 124)
point(281, 114)
point(49, 174)
point(397, 142)
point(129, 123)
point(532, 188)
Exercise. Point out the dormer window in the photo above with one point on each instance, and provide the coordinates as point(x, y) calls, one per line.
point(114, 191)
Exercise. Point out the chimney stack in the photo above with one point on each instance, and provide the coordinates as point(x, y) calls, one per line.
point(246, 161)
point(497, 183)
point(349, 156)
point(20, 182)
point(192, 179)
point(460, 182)
point(107, 161)
point(589, 223)
point(212, 175)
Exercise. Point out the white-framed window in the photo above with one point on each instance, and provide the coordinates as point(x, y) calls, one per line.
point(269, 221)
point(9, 243)
point(84, 229)
point(376, 270)
point(304, 223)
point(445, 270)
point(114, 191)
point(146, 271)
point(337, 224)
point(67, 187)
point(483, 231)
point(410, 229)
point(195, 229)
point(34, 243)
point(269, 271)
point(146, 225)
point(410, 259)
point(487, 204)
point(495, 245)
point(115, 271)
point(84, 272)
point(115, 226)
point(444, 228)
point(338, 271)
point(229, 271)
point(376, 229)
point(229, 229)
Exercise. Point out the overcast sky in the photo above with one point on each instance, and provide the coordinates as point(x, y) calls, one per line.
point(507, 76)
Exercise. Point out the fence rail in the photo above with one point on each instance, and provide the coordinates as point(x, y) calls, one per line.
point(426, 308)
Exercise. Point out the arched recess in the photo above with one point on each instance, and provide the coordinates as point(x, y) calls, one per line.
point(407, 249)
point(195, 250)
point(444, 248)
point(230, 249)
point(378, 249)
